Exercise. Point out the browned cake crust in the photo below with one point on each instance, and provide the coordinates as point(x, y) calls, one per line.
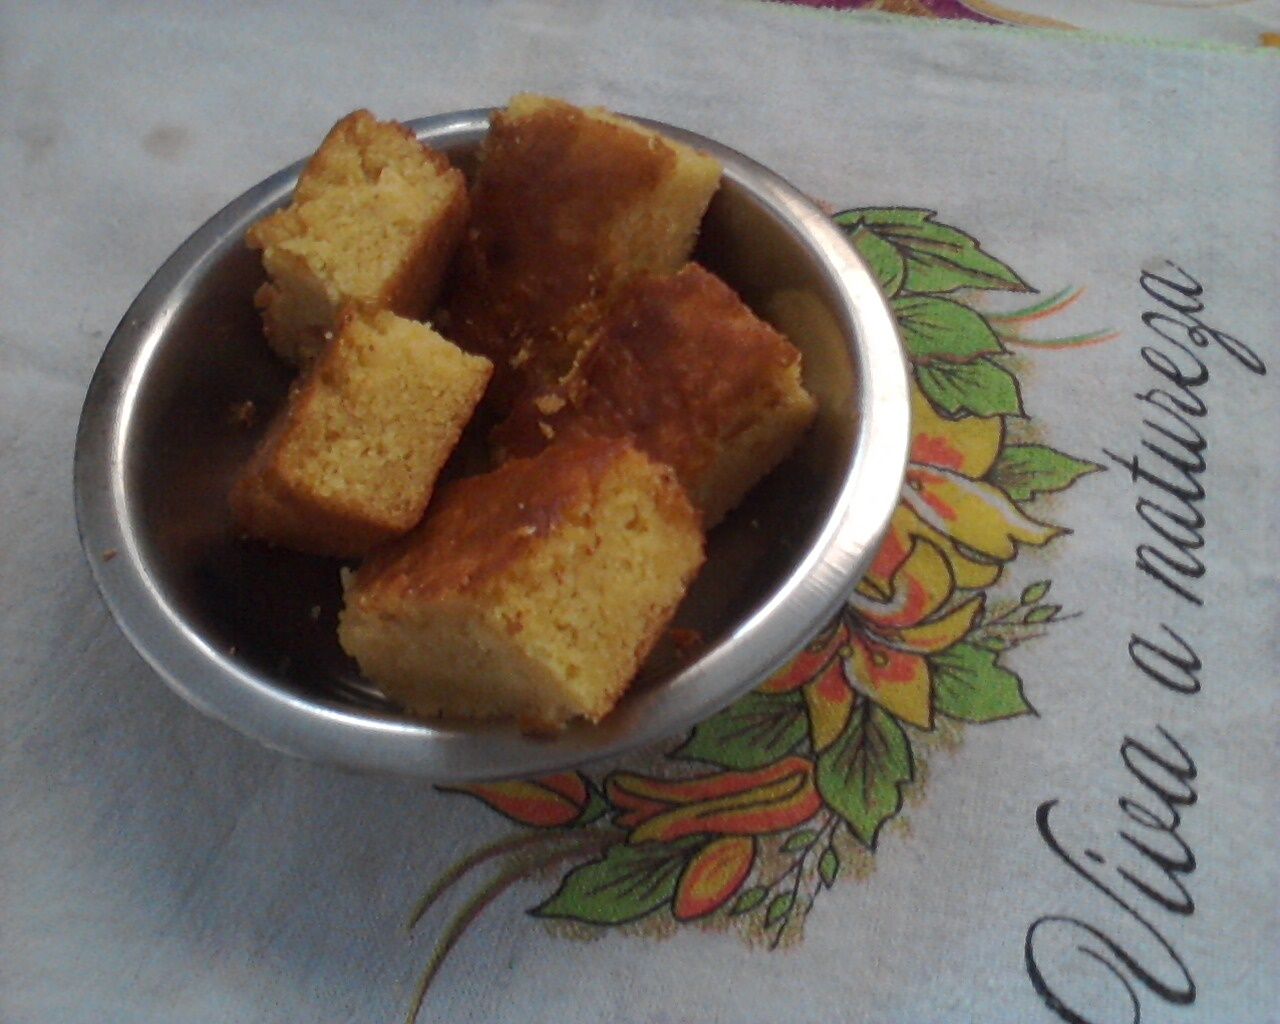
point(684, 368)
point(535, 591)
point(567, 203)
point(375, 220)
point(480, 526)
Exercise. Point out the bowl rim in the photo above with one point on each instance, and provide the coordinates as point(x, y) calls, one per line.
point(211, 680)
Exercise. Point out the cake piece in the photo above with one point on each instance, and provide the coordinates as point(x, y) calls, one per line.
point(375, 219)
point(533, 591)
point(683, 367)
point(567, 205)
point(351, 460)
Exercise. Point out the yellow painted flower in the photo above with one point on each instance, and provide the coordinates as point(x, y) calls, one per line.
point(950, 534)
point(947, 503)
point(887, 659)
point(880, 647)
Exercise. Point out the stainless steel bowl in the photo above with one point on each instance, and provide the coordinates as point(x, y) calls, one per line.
point(248, 634)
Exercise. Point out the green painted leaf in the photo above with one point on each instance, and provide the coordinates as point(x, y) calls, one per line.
point(778, 909)
point(801, 840)
point(944, 266)
point(751, 733)
point(829, 866)
point(627, 883)
point(979, 388)
point(992, 642)
point(937, 258)
point(749, 900)
point(881, 216)
point(1035, 592)
point(1044, 613)
point(939, 330)
point(861, 775)
point(883, 258)
point(1024, 470)
point(970, 684)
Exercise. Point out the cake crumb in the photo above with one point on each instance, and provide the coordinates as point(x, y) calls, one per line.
point(546, 429)
point(109, 554)
point(549, 405)
point(243, 414)
point(686, 641)
point(315, 612)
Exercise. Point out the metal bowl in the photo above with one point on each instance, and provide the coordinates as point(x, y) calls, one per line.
point(247, 634)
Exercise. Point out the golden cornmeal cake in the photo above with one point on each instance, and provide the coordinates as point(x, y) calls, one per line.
point(375, 219)
point(351, 460)
point(533, 591)
point(567, 204)
point(683, 367)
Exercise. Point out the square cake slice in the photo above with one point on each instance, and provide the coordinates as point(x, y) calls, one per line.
point(567, 204)
point(533, 591)
point(375, 219)
point(684, 368)
point(352, 459)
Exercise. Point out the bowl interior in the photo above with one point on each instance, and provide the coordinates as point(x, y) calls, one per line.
point(269, 616)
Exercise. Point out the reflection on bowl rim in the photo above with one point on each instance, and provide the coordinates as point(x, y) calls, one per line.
point(214, 681)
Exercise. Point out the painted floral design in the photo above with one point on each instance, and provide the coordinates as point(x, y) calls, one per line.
point(764, 805)
point(984, 12)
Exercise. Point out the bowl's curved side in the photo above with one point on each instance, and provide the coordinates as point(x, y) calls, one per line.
point(113, 527)
point(822, 581)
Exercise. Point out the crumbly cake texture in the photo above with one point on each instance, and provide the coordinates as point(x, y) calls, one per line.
point(684, 368)
point(567, 205)
point(534, 591)
point(353, 457)
point(375, 219)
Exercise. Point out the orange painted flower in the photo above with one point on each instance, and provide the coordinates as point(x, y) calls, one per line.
point(552, 801)
point(969, 445)
point(712, 875)
point(812, 661)
point(829, 700)
point(821, 750)
point(947, 503)
point(952, 532)
point(971, 572)
point(880, 646)
point(770, 799)
point(946, 490)
point(887, 655)
point(819, 673)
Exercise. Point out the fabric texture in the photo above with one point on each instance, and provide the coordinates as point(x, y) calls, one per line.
point(1079, 238)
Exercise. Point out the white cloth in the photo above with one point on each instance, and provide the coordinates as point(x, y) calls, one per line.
point(155, 866)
